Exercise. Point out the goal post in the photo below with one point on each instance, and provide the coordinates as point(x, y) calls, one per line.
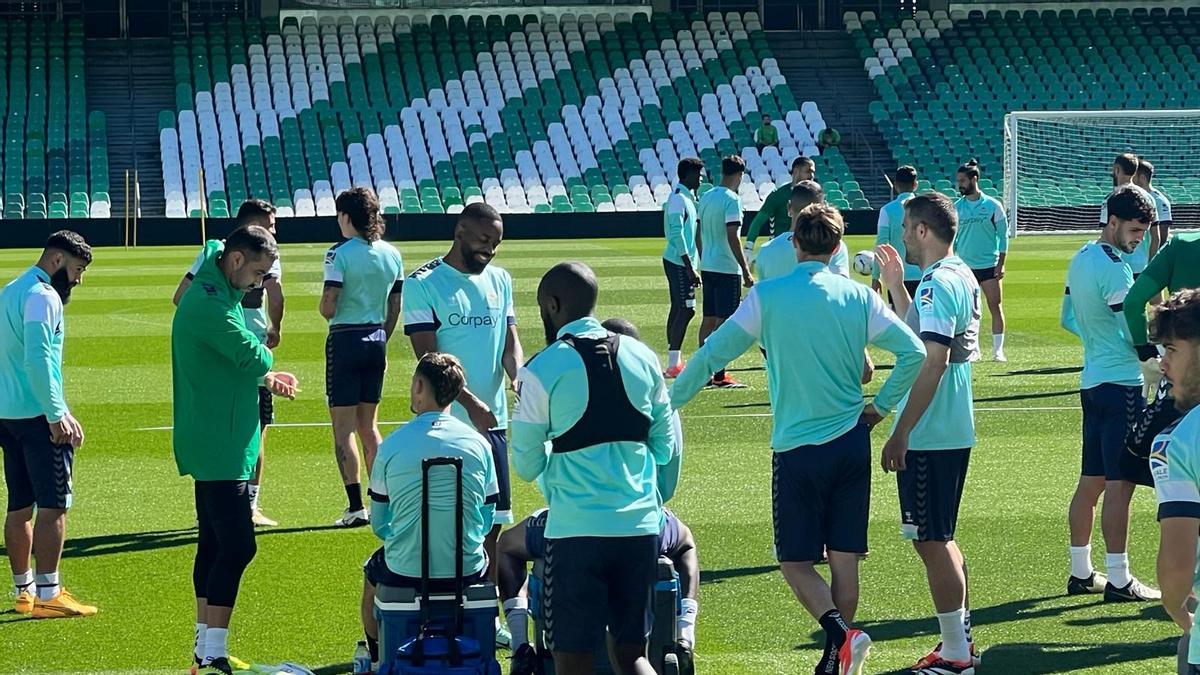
point(1058, 164)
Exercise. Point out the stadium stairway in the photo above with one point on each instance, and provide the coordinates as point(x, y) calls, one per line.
point(130, 82)
point(822, 66)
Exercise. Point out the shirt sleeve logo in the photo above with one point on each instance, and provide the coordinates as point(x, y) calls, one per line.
point(1159, 466)
point(209, 288)
point(329, 257)
point(926, 297)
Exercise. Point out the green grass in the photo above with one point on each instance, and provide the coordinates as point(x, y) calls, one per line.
point(130, 547)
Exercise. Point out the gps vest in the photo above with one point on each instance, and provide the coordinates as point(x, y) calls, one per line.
point(609, 416)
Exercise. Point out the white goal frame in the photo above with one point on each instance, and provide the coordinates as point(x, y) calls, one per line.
point(1011, 121)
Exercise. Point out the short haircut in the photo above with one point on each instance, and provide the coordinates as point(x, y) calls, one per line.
point(766, 116)
point(361, 204)
point(445, 375)
point(1129, 202)
point(252, 240)
point(801, 161)
point(970, 169)
point(819, 229)
point(807, 191)
point(905, 175)
point(254, 212)
point(1145, 169)
point(1127, 162)
point(70, 243)
point(1178, 318)
point(688, 166)
point(622, 326)
point(936, 211)
point(479, 211)
point(732, 165)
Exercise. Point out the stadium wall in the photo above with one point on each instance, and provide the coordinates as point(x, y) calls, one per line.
point(410, 227)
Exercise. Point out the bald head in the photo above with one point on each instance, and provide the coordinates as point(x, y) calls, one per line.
point(477, 235)
point(621, 326)
point(567, 293)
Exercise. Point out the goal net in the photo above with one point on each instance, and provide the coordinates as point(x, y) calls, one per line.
point(1058, 165)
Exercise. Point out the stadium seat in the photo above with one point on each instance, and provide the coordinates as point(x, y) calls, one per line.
point(513, 117)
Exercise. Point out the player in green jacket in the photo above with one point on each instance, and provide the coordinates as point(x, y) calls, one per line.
point(217, 365)
point(775, 209)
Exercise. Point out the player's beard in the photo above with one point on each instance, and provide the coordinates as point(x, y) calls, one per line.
point(472, 263)
point(1186, 391)
point(551, 333)
point(62, 285)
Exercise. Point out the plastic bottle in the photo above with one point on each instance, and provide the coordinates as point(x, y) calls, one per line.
point(362, 659)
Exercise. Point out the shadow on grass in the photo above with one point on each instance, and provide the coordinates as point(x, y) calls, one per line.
point(1027, 397)
point(131, 542)
point(334, 669)
point(1066, 657)
point(1065, 370)
point(720, 576)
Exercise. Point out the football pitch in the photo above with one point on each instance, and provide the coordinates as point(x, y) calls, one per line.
point(130, 537)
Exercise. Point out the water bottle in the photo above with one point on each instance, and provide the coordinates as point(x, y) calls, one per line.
point(362, 659)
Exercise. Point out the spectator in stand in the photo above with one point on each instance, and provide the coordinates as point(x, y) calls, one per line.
point(766, 135)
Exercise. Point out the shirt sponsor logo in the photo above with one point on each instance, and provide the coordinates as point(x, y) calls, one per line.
point(472, 321)
point(1159, 466)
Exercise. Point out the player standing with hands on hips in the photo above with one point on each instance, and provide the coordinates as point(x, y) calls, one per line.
point(934, 431)
point(217, 365)
point(361, 300)
point(37, 431)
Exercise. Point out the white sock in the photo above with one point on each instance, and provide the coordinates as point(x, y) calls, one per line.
point(516, 615)
point(216, 643)
point(967, 626)
point(687, 620)
point(24, 582)
point(201, 635)
point(47, 586)
point(253, 490)
point(1117, 565)
point(954, 636)
point(674, 357)
point(1081, 561)
point(998, 342)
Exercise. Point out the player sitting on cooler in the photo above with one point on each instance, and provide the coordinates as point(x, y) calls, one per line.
point(525, 543)
point(395, 492)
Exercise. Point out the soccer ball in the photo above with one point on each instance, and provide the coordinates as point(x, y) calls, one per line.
point(864, 262)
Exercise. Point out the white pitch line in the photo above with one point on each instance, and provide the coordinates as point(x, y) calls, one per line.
point(689, 417)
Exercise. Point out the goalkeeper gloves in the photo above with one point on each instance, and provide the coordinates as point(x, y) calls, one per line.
point(1151, 369)
point(748, 249)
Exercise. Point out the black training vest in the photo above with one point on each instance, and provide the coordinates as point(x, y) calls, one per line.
point(609, 416)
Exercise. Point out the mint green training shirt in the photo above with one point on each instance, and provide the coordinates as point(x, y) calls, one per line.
point(606, 490)
point(367, 273)
point(31, 349)
point(1175, 466)
point(1093, 308)
point(814, 325)
point(679, 225)
point(889, 229)
point(982, 231)
point(395, 492)
point(719, 208)
point(946, 310)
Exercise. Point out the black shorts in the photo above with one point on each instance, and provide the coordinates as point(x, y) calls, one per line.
point(821, 497)
point(911, 287)
point(377, 572)
point(498, 439)
point(1109, 411)
point(930, 492)
point(683, 293)
point(36, 470)
point(266, 407)
point(355, 362)
point(670, 540)
point(598, 583)
point(722, 293)
point(984, 274)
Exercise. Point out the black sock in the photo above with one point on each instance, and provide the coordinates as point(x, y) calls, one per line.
point(835, 627)
point(828, 665)
point(354, 494)
point(719, 375)
point(373, 647)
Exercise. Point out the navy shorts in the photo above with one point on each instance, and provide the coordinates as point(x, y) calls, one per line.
point(670, 540)
point(930, 492)
point(377, 572)
point(36, 470)
point(1109, 411)
point(821, 497)
point(266, 407)
point(722, 293)
point(984, 274)
point(598, 583)
point(683, 293)
point(498, 439)
point(355, 362)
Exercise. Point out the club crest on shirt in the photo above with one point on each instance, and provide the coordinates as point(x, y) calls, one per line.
point(926, 297)
point(492, 297)
point(1159, 465)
